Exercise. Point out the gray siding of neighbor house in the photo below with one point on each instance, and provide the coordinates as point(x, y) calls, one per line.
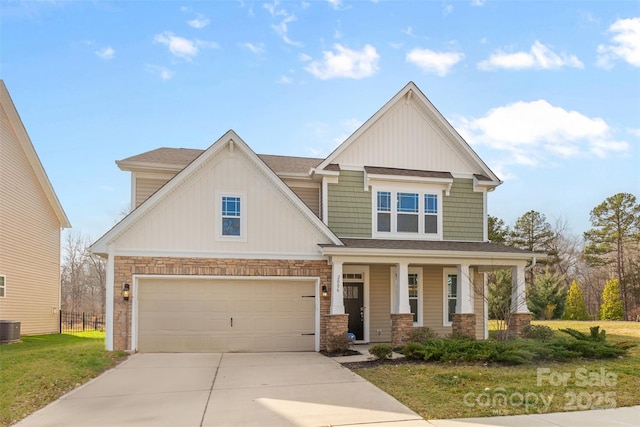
point(463, 212)
point(350, 206)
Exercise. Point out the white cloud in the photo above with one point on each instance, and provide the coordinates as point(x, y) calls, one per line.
point(439, 63)
point(162, 72)
point(254, 47)
point(478, 2)
point(534, 133)
point(538, 57)
point(337, 5)
point(304, 57)
point(199, 22)
point(625, 44)
point(285, 80)
point(106, 53)
point(447, 10)
point(346, 63)
point(282, 28)
point(182, 47)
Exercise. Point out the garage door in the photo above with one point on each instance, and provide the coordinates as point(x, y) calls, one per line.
point(194, 315)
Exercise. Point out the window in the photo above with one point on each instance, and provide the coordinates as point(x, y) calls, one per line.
point(2, 286)
point(452, 296)
point(232, 222)
point(384, 211)
point(414, 294)
point(407, 214)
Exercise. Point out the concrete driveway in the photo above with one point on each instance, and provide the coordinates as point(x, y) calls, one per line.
point(231, 389)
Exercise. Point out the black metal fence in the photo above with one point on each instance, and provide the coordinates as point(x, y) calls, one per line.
point(79, 322)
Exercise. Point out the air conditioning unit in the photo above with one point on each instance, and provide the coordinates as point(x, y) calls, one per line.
point(9, 331)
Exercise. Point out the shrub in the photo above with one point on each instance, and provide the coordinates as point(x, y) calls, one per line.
point(337, 343)
point(612, 307)
point(381, 351)
point(422, 334)
point(537, 332)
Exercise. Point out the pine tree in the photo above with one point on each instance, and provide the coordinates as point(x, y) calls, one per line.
point(611, 308)
point(546, 297)
point(575, 308)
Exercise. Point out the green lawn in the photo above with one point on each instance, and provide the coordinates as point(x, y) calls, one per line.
point(42, 368)
point(440, 390)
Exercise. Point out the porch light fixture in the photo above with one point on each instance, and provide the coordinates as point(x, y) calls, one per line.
point(324, 290)
point(126, 293)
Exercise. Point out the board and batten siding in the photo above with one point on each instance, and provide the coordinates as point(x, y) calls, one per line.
point(406, 137)
point(29, 241)
point(463, 212)
point(185, 219)
point(349, 206)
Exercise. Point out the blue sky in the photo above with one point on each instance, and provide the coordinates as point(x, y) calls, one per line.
point(547, 92)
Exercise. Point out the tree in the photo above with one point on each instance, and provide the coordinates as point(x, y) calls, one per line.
point(82, 276)
point(546, 298)
point(611, 308)
point(497, 232)
point(575, 308)
point(614, 234)
point(533, 233)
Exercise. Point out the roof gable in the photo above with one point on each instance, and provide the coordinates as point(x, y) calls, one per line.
point(6, 103)
point(408, 132)
point(187, 202)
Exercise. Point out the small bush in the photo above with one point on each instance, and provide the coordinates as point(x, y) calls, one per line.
point(337, 343)
point(421, 334)
point(381, 351)
point(537, 332)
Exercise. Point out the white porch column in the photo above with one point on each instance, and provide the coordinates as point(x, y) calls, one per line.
point(465, 289)
point(518, 293)
point(403, 288)
point(337, 295)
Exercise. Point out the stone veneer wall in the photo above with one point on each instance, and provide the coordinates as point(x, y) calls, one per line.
point(126, 267)
point(517, 322)
point(463, 324)
point(401, 327)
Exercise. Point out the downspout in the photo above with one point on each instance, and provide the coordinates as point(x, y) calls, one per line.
point(533, 264)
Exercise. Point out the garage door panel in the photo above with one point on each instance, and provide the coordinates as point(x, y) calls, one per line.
point(267, 315)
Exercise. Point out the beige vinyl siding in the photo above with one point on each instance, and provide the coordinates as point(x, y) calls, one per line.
point(380, 303)
point(350, 206)
point(29, 242)
point(433, 288)
point(463, 212)
point(185, 219)
point(310, 196)
point(145, 187)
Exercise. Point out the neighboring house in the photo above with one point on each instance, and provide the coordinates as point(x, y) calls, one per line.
point(227, 250)
point(31, 218)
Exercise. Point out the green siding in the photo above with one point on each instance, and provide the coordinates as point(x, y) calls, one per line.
point(463, 212)
point(350, 206)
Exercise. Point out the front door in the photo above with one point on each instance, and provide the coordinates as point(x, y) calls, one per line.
point(354, 307)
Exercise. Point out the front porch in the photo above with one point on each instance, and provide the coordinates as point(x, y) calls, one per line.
point(382, 298)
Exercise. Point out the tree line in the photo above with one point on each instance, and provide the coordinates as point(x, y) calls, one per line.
point(595, 275)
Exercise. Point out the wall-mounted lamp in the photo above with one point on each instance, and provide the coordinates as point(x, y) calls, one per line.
point(324, 290)
point(126, 293)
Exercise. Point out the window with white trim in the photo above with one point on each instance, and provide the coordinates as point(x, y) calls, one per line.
point(415, 293)
point(231, 222)
point(3, 286)
point(407, 214)
point(414, 296)
point(450, 295)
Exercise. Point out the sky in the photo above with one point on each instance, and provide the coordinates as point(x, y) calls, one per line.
point(546, 92)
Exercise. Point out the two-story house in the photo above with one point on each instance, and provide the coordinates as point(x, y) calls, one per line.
point(227, 250)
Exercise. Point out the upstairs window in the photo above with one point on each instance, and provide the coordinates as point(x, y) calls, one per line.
point(407, 214)
point(2, 286)
point(231, 224)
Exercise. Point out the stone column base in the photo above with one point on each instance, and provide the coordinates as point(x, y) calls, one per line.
point(463, 324)
point(517, 322)
point(401, 327)
point(337, 325)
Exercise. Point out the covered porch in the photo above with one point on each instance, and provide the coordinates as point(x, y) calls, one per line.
point(382, 289)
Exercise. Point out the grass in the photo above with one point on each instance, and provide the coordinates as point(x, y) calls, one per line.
point(41, 368)
point(442, 390)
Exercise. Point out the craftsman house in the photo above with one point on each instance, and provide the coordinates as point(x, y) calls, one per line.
point(227, 250)
point(31, 218)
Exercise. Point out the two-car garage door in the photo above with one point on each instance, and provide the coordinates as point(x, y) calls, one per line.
point(225, 315)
